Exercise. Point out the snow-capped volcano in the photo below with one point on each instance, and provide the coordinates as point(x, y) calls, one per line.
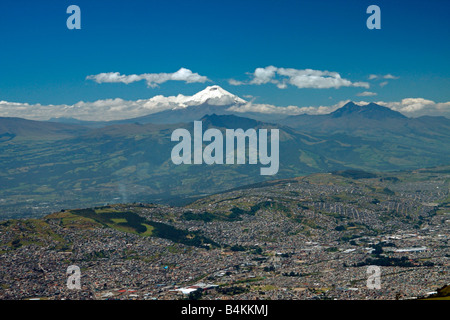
point(181, 108)
point(214, 95)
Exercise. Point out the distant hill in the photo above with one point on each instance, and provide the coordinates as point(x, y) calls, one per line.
point(369, 111)
point(370, 120)
point(47, 164)
point(90, 124)
point(230, 122)
point(18, 128)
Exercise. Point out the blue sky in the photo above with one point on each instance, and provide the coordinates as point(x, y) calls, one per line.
point(41, 61)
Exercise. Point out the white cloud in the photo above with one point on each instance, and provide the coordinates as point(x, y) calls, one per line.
point(390, 76)
point(235, 82)
point(416, 107)
point(289, 110)
point(265, 108)
point(108, 109)
point(366, 94)
point(152, 79)
point(386, 76)
point(305, 78)
point(263, 75)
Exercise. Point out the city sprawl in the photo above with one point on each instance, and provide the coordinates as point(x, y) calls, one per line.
point(310, 237)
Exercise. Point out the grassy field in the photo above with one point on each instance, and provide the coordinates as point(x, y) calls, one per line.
point(131, 222)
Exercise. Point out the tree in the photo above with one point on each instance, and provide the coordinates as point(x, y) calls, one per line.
point(195, 295)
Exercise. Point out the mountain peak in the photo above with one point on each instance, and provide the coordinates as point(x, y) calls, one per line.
point(371, 111)
point(214, 95)
point(229, 121)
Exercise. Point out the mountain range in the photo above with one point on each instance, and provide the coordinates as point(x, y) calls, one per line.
point(211, 100)
point(49, 165)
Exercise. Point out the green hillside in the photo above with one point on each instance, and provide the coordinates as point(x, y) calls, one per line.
point(131, 162)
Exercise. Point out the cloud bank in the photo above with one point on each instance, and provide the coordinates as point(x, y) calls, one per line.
point(289, 110)
point(117, 109)
point(305, 78)
point(416, 107)
point(152, 79)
